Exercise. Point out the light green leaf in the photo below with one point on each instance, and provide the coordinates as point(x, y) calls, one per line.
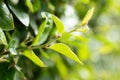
point(65, 50)
point(31, 55)
point(2, 38)
point(6, 19)
point(42, 37)
point(29, 5)
point(19, 12)
point(83, 26)
point(83, 29)
point(58, 23)
point(44, 54)
point(46, 32)
point(87, 17)
point(40, 31)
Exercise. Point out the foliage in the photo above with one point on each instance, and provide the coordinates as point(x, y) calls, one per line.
point(32, 32)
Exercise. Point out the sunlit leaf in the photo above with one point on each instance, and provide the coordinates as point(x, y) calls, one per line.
point(29, 4)
point(58, 23)
point(83, 29)
point(6, 19)
point(87, 17)
point(83, 26)
point(62, 68)
point(20, 13)
point(83, 52)
point(31, 55)
point(65, 50)
point(40, 31)
point(48, 27)
point(2, 38)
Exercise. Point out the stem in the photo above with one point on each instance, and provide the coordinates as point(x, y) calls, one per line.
point(44, 45)
point(57, 38)
point(76, 27)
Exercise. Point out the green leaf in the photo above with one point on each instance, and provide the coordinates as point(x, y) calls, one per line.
point(83, 26)
point(19, 75)
point(58, 23)
point(3, 69)
point(40, 31)
point(6, 19)
point(12, 47)
point(87, 17)
point(31, 55)
point(36, 5)
point(2, 38)
point(43, 34)
point(46, 32)
point(29, 4)
point(44, 54)
point(6, 72)
point(20, 13)
point(83, 29)
point(11, 73)
point(65, 50)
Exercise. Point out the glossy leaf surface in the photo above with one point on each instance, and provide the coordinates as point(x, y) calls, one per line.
point(20, 13)
point(58, 23)
point(65, 50)
point(6, 19)
point(31, 55)
point(40, 31)
point(2, 38)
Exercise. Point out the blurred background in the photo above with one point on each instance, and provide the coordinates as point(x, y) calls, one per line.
point(98, 48)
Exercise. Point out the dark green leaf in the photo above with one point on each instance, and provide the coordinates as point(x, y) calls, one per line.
point(2, 38)
point(6, 19)
point(12, 47)
point(6, 72)
point(20, 13)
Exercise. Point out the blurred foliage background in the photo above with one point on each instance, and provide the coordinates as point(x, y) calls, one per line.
point(98, 48)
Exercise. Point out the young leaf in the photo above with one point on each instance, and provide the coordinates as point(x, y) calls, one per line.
point(58, 23)
point(83, 29)
point(47, 28)
point(40, 31)
point(2, 38)
point(83, 26)
point(65, 50)
point(29, 5)
point(87, 17)
point(19, 13)
point(31, 55)
point(6, 19)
